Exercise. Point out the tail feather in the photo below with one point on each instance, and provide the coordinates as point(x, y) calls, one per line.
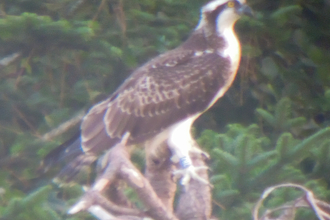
point(63, 153)
point(70, 171)
point(70, 153)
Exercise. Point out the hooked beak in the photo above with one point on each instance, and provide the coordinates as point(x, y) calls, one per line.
point(245, 10)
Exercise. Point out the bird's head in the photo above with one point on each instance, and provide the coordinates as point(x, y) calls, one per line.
point(218, 15)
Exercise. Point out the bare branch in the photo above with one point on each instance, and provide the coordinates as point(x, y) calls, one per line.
point(159, 172)
point(9, 59)
point(64, 126)
point(195, 200)
point(320, 208)
point(118, 165)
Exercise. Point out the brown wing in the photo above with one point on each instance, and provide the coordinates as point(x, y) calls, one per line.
point(164, 91)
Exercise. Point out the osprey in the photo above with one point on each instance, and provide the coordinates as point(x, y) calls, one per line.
point(161, 99)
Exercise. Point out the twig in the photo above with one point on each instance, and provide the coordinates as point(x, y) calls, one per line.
point(99, 10)
point(9, 59)
point(308, 198)
point(22, 116)
point(64, 127)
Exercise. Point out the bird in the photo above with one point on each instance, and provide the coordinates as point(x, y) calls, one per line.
point(161, 99)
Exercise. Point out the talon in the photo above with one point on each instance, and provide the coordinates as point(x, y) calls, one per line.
point(204, 154)
point(191, 173)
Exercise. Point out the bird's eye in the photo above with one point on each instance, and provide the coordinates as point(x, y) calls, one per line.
point(231, 4)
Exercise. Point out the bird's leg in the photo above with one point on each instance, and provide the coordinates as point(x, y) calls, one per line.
point(195, 200)
point(181, 155)
point(181, 147)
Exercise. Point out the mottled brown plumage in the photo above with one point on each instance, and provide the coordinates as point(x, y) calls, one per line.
point(161, 99)
point(167, 89)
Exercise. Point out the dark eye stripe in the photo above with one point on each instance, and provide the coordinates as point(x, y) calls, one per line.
point(212, 16)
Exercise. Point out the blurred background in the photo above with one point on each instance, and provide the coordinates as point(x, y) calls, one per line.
point(59, 57)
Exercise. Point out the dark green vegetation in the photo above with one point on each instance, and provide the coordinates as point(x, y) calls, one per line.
point(271, 127)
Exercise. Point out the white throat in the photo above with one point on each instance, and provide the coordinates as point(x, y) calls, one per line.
point(225, 29)
point(232, 49)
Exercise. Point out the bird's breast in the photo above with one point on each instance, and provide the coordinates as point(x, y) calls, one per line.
point(232, 48)
point(232, 52)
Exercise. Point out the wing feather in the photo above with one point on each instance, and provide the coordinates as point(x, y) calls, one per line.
point(99, 143)
point(165, 90)
point(93, 121)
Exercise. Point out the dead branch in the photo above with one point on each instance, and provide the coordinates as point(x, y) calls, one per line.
point(156, 189)
point(195, 199)
point(320, 208)
point(64, 127)
point(159, 171)
point(9, 59)
point(117, 164)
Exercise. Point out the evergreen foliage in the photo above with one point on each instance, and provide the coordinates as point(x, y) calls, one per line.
point(59, 57)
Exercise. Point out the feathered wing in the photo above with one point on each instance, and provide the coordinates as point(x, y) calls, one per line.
point(166, 90)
